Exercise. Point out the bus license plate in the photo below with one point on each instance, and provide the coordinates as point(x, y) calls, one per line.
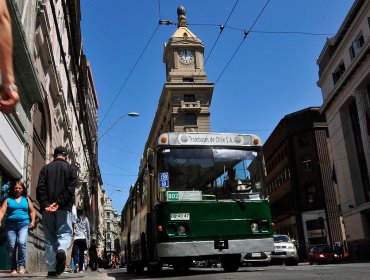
point(180, 216)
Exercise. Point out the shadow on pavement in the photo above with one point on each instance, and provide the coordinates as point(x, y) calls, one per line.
point(173, 274)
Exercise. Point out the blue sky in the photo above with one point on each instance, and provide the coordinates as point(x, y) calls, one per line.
point(273, 74)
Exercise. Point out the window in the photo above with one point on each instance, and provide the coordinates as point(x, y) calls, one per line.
point(188, 79)
point(338, 72)
point(108, 236)
point(311, 194)
point(361, 157)
point(189, 98)
point(108, 225)
point(356, 46)
point(108, 214)
point(190, 119)
point(306, 164)
point(303, 141)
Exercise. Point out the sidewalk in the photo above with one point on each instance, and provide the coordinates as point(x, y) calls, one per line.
point(91, 275)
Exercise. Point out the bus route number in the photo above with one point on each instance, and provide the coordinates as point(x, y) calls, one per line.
point(173, 196)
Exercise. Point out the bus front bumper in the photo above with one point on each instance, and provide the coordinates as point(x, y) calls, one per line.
point(209, 248)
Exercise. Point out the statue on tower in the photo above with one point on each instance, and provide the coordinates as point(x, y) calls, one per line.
point(181, 17)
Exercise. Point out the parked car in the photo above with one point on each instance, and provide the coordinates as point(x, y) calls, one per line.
point(285, 250)
point(322, 254)
point(256, 259)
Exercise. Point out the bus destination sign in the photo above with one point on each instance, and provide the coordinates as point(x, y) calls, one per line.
point(213, 139)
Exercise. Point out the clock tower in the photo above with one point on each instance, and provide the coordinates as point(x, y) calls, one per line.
point(186, 95)
point(184, 54)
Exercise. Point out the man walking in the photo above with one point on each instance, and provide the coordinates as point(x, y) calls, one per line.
point(55, 193)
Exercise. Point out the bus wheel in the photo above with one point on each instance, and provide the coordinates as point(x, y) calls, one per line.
point(154, 269)
point(181, 268)
point(130, 268)
point(139, 268)
point(231, 264)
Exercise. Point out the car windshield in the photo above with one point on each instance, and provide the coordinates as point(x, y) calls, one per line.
point(323, 249)
point(281, 238)
point(206, 173)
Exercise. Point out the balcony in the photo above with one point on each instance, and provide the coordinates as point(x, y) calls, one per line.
point(190, 106)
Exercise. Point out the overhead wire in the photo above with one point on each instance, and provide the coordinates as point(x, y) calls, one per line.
point(130, 73)
point(218, 37)
point(265, 31)
point(246, 32)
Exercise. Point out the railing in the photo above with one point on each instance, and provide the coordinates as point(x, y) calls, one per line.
point(190, 105)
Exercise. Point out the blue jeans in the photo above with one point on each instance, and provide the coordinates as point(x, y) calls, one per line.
point(58, 234)
point(17, 238)
point(79, 247)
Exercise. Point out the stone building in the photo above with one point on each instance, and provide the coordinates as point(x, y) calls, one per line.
point(58, 106)
point(112, 228)
point(344, 79)
point(303, 198)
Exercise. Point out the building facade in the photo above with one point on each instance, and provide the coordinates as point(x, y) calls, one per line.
point(58, 106)
point(303, 198)
point(112, 229)
point(344, 79)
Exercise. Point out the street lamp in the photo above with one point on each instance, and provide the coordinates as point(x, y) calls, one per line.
point(116, 190)
point(132, 114)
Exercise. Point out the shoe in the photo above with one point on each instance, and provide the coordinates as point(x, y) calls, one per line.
point(76, 268)
point(22, 271)
point(61, 262)
point(81, 271)
point(52, 274)
point(68, 270)
point(13, 272)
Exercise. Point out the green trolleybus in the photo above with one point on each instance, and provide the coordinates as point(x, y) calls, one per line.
point(199, 196)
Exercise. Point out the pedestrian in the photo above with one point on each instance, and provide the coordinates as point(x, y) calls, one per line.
point(70, 248)
point(9, 96)
point(81, 240)
point(55, 193)
point(20, 216)
point(93, 255)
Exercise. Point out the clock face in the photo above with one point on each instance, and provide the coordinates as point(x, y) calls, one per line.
point(186, 56)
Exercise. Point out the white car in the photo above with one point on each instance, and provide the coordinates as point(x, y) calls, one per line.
point(285, 250)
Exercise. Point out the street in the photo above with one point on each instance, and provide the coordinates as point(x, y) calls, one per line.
point(303, 271)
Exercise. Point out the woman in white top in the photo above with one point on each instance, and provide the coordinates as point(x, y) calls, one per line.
point(81, 239)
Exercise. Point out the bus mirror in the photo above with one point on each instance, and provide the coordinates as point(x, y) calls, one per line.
point(150, 159)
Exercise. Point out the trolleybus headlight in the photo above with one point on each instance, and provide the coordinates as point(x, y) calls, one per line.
point(181, 230)
point(171, 229)
point(254, 227)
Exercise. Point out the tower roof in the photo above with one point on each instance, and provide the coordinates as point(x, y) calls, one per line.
point(182, 26)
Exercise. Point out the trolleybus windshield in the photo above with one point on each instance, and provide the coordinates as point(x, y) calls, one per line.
point(205, 173)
